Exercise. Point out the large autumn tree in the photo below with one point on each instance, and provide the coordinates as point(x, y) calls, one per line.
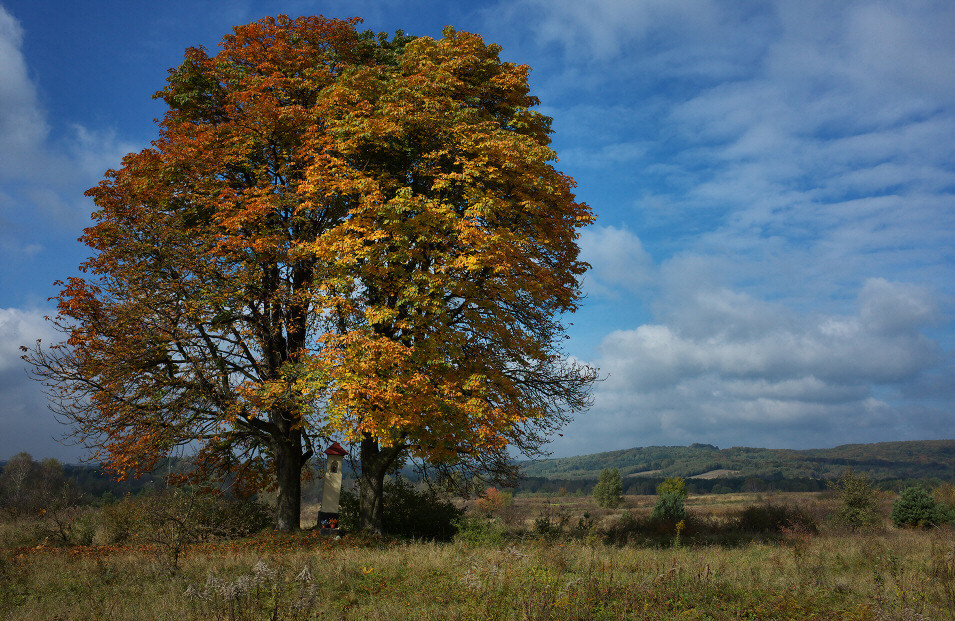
point(334, 234)
point(449, 277)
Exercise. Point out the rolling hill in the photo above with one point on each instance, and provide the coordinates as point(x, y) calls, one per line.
point(880, 461)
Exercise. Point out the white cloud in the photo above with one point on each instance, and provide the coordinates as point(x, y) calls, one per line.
point(26, 424)
point(724, 368)
point(801, 147)
point(896, 308)
point(604, 29)
point(22, 124)
point(619, 264)
point(19, 328)
point(42, 169)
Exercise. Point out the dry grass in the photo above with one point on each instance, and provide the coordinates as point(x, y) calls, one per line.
point(887, 574)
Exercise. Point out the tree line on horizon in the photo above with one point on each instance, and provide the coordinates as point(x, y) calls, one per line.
point(880, 461)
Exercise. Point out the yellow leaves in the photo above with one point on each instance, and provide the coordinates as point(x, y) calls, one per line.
point(392, 391)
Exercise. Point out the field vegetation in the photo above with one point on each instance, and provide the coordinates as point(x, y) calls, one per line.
point(182, 554)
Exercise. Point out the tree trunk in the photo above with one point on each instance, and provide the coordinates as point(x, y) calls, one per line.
point(375, 462)
point(371, 509)
point(288, 472)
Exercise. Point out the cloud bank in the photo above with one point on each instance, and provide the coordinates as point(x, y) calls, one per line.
point(27, 424)
point(721, 366)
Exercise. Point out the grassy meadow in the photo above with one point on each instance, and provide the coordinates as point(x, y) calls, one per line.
point(537, 558)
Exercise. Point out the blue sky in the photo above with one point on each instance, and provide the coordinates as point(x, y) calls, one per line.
point(774, 259)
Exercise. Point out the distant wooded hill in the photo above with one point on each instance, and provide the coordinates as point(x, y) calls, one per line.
point(709, 468)
point(706, 468)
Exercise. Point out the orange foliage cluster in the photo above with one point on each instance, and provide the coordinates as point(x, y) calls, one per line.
point(491, 500)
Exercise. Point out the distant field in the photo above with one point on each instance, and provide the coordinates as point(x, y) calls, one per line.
point(645, 473)
point(716, 474)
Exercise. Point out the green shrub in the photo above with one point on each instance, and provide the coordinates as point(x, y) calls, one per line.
point(916, 507)
point(858, 508)
point(231, 518)
point(671, 498)
point(192, 515)
point(122, 521)
point(479, 531)
point(609, 490)
point(408, 512)
point(584, 526)
point(550, 526)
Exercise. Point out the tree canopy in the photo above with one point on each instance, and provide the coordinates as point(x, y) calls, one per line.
point(608, 492)
point(335, 235)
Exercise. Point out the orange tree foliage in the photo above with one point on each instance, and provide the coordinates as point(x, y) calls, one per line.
point(451, 271)
point(334, 234)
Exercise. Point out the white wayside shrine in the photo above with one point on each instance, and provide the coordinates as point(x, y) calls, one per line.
point(332, 487)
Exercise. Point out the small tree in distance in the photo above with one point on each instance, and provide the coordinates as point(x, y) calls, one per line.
point(671, 501)
point(493, 500)
point(609, 490)
point(858, 510)
point(32, 488)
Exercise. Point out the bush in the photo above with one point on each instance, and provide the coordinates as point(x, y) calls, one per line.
point(916, 507)
point(494, 501)
point(670, 507)
point(609, 490)
point(182, 514)
point(858, 509)
point(550, 525)
point(945, 494)
point(120, 521)
point(627, 529)
point(774, 519)
point(478, 531)
point(231, 518)
point(407, 512)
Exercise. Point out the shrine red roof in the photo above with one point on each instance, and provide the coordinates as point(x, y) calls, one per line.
point(336, 449)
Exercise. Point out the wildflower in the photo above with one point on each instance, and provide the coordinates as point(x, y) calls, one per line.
point(471, 581)
point(243, 584)
point(514, 552)
point(262, 571)
point(367, 570)
point(305, 576)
